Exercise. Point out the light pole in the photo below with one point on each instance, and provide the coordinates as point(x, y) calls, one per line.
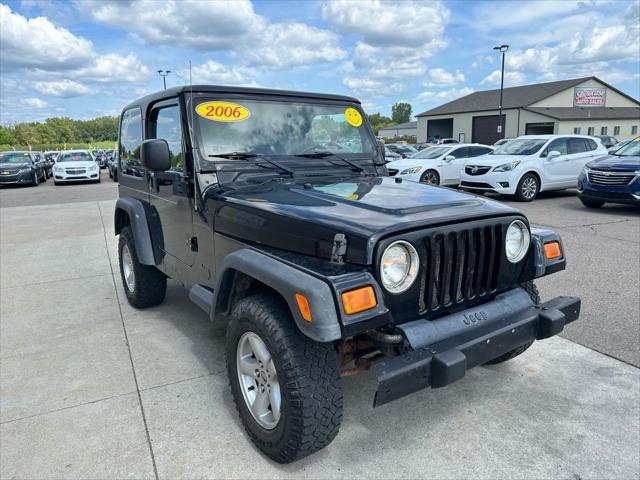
point(502, 49)
point(164, 74)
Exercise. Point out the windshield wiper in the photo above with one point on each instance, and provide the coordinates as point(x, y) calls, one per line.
point(247, 156)
point(327, 153)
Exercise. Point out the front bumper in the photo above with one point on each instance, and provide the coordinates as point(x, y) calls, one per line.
point(16, 178)
point(84, 177)
point(443, 350)
point(499, 182)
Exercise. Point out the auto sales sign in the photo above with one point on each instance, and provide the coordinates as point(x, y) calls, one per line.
point(589, 97)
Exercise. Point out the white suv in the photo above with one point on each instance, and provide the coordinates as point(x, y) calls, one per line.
point(438, 165)
point(530, 164)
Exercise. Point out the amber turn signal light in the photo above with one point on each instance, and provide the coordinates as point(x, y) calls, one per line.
point(303, 306)
point(358, 300)
point(552, 250)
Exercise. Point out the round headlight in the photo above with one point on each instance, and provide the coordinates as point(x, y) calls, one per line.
point(399, 266)
point(516, 242)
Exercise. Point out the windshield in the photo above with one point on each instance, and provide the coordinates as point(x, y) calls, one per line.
point(631, 149)
point(432, 152)
point(75, 157)
point(280, 128)
point(405, 148)
point(519, 146)
point(15, 157)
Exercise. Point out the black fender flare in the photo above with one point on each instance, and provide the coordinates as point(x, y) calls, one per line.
point(287, 281)
point(137, 214)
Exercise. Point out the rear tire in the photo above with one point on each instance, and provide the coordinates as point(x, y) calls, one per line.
point(144, 285)
point(35, 180)
point(528, 188)
point(310, 395)
point(534, 294)
point(589, 203)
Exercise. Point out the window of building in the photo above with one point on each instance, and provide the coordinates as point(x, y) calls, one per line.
point(130, 141)
point(616, 130)
point(576, 130)
point(166, 124)
point(591, 130)
point(603, 130)
point(634, 130)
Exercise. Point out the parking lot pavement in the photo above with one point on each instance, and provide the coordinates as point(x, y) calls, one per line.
point(92, 388)
point(603, 261)
point(48, 193)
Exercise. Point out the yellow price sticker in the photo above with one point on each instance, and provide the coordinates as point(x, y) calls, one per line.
point(223, 111)
point(353, 117)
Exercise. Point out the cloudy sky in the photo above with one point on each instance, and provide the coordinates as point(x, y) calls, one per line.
point(84, 58)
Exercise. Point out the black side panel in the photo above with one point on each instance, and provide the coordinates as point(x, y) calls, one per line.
point(137, 214)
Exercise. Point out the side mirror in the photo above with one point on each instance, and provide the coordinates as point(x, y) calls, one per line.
point(553, 154)
point(155, 155)
point(448, 158)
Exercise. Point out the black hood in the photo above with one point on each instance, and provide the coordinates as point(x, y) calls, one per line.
point(304, 218)
point(14, 166)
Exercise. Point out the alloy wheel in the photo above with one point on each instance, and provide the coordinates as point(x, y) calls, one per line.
point(127, 269)
point(258, 380)
point(529, 188)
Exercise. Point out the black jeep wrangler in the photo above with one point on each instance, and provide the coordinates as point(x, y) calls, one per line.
point(275, 210)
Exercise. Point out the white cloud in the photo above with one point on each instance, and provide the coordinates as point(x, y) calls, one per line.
point(216, 73)
point(35, 102)
point(373, 88)
point(38, 43)
point(114, 67)
point(404, 23)
point(443, 96)
point(63, 88)
point(439, 77)
point(511, 79)
point(204, 26)
point(293, 44)
point(230, 26)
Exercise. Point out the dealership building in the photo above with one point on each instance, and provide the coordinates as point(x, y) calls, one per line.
point(409, 129)
point(586, 106)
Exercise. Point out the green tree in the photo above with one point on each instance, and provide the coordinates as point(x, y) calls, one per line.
point(401, 112)
point(378, 121)
point(6, 137)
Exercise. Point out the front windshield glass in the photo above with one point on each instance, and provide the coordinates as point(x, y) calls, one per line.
point(15, 157)
point(519, 146)
point(274, 128)
point(631, 149)
point(432, 152)
point(75, 157)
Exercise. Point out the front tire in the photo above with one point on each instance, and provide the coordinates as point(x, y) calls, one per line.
point(528, 188)
point(144, 285)
point(589, 203)
point(534, 294)
point(306, 414)
point(430, 177)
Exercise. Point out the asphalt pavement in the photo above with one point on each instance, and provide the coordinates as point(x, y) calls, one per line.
point(92, 388)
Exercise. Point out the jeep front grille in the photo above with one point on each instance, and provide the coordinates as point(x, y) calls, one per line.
point(611, 178)
point(460, 266)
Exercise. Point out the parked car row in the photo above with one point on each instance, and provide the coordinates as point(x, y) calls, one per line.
point(529, 164)
point(23, 168)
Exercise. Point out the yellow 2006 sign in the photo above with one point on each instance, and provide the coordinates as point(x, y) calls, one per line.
point(223, 111)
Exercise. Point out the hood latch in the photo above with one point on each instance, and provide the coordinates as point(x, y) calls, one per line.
point(339, 248)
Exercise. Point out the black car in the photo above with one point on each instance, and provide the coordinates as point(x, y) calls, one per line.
point(100, 157)
point(42, 161)
point(21, 168)
point(607, 140)
point(112, 167)
point(50, 157)
point(317, 263)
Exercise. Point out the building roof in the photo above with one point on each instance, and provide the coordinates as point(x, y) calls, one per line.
point(513, 97)
point(586, 113)
point(402, 126)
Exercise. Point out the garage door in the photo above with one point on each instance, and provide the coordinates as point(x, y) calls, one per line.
point(441, 128)
point(485, 129)
point(539, 128)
